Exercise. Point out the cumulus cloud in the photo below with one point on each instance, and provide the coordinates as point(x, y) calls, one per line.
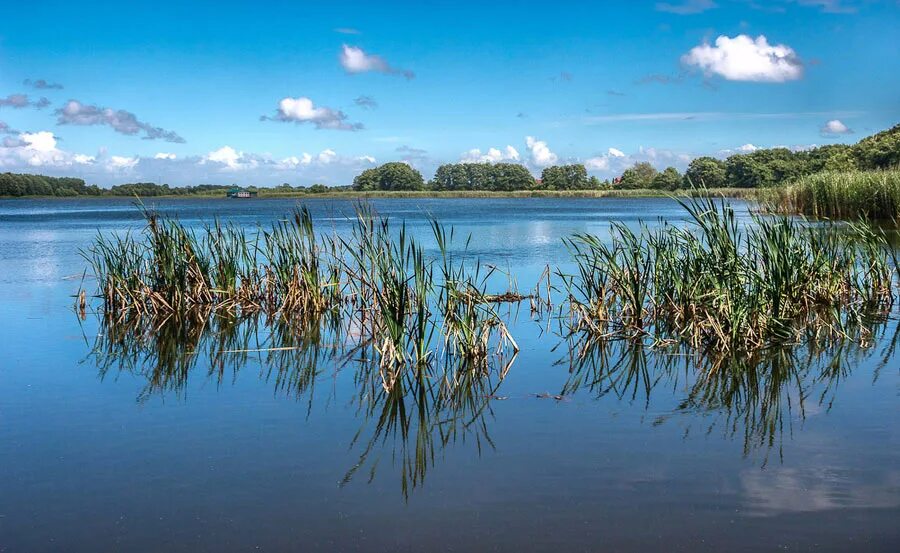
point(41, 84)
point(493, 155)
point(743, 58)
point(293, 162)
point(164, 155)
point(612, 159)
point(835, 127)
point(686, 7)
point(356, 60)
point(598, 163)
point(303, 110)
point(37, 149)
point(541, 155)
point(229, 158)
point(365, 102)
point(6, 129)
point(121, 121)
point(121, 163)
point(19, 101)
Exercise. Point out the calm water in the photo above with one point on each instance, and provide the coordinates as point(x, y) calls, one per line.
point(244, 452)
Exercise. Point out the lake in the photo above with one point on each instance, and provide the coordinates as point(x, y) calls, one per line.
point(223, 449)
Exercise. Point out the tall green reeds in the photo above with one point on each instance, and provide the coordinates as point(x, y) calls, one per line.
point(842, 195)
point(717, 285)
point(378, 279)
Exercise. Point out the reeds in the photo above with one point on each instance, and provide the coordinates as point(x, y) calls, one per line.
point(846, 195)
point(716, 285)
point(378, 279)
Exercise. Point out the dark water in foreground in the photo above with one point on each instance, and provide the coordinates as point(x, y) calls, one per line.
point(256, 451)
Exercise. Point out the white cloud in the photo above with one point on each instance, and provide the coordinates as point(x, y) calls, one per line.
point(83, 159)
point(42, 141)
point(541, 155)
point(294, 161)
point(747, 148)
point(834, 127)
point(229, 158)
point(367, 159)
point(164, 155)
point(493, 155)
point(743, 58)
point(616, 153)
point(120, 163)
point(599, 163)
point(37, 149)
point(356, 60)
point(327, 156)
point(303, 110)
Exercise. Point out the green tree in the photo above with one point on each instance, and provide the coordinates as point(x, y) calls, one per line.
point(565, 177)
point(639, 176)
point(367, 180)
point(670, 179)
point(510, 176)
point(879, 151)
point(763, 168)
point(396, 175)
point(706, 172)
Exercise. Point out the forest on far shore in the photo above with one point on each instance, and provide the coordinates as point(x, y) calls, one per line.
point(763, 168)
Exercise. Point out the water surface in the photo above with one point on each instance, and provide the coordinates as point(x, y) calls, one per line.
point(255, 450)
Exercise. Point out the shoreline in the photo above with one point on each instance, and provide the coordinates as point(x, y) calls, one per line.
point(738, 193)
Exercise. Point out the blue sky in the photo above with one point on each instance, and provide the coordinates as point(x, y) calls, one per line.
point(271, 92)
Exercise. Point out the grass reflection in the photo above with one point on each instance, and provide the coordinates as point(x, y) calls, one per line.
point(757, 397)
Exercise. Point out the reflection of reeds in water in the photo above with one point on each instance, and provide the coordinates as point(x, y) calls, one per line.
point(165, 352)
point(714, 285)
point(423, 413)
point(442, 399)
point(757, 396)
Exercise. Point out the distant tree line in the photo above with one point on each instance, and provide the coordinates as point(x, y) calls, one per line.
point(149, 189)
point(757, 169)
point(12, 184)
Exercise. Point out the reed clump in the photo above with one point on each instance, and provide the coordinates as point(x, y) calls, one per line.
point(717, 285)
point(848, 195)
point(377, 280)
point(173, 269)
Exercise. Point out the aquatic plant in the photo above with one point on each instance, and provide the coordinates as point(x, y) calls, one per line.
point(717, 285)
point(841, 195)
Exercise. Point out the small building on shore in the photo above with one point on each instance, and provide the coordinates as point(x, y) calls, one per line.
point(236, 192)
